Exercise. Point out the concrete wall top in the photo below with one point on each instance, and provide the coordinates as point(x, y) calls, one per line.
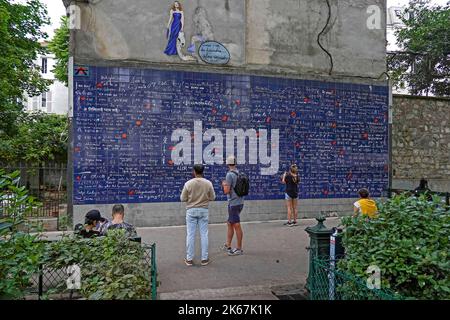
point(412, 97)
point(286, 34)
point(346, 38)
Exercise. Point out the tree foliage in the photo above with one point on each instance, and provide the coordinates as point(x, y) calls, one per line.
point(423, 64)
point(40, 137)
point(59, 46)
point(20, 33)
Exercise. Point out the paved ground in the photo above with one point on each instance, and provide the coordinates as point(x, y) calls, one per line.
point(275, 259)
point(274, 255)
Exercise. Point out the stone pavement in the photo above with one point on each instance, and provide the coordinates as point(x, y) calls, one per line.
point(275, 256)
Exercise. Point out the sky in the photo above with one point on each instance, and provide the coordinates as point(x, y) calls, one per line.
point(56, 9)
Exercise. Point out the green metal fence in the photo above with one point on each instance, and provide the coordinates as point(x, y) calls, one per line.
point(329, 283)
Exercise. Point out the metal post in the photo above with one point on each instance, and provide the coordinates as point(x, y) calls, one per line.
point(40, 282)
point(319, 249)
point(331, 274)
point(69, 172)
point(391, 121)
point(154, 272)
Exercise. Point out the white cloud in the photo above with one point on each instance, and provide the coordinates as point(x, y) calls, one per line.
point(55, 10)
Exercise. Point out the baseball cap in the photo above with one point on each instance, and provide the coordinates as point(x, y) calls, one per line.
point(94, 215)
point(231, 160)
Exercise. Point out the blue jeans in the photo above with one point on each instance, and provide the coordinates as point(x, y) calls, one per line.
point(196, 217)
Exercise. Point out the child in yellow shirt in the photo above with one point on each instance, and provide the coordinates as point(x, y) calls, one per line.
point(365, 205)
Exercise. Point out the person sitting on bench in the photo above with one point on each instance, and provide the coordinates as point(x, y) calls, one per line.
point(91, 220)
point(118, 213)
point(365, 206)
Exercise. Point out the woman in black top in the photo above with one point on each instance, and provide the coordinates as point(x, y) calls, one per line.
point(291, 180)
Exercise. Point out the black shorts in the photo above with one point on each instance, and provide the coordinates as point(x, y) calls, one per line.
point(234, 214)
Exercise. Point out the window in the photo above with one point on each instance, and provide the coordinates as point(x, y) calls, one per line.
point(49, 102)
point(44, 100)
point(44, 65)
point(34, 103)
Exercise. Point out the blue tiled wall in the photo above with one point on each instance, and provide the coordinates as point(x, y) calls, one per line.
point(337, 133)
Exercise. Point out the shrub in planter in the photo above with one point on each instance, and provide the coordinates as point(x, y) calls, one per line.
point(20, 257)
point(112, 267)
point(409, 242)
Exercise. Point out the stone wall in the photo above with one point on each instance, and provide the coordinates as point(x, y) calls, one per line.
point(421, 142)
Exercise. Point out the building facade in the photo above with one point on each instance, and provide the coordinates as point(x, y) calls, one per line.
point(55, 100)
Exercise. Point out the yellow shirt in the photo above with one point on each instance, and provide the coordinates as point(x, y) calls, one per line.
point(367, 207)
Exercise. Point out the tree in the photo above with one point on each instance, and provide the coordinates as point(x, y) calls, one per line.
point(59, 46)
point(423, 65)
point(20, 33)
point(39, 137)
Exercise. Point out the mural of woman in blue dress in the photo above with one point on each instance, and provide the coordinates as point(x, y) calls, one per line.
point(174, 27)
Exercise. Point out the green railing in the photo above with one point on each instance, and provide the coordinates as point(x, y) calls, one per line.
point(151, 254)
point(329, 283)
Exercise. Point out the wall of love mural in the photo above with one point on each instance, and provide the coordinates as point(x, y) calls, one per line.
point(137, 132)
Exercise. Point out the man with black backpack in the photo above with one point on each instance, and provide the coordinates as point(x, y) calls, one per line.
point(235, 186)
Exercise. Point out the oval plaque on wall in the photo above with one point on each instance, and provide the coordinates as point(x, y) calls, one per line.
point(213, 52)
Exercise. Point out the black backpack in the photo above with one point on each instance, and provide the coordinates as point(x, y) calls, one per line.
point(242, 184)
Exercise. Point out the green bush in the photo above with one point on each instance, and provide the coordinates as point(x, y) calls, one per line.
point(15, 201)
point(20, 253)
point(409, 242)
point(20, 257)
point(112, 267)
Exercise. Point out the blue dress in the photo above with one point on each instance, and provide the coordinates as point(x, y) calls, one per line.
point(175, 29)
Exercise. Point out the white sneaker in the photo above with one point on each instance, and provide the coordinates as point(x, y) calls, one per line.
point(206, 262)
point(235, 252)
point(224, 248)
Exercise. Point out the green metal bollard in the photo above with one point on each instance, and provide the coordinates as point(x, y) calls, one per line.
point(319, 248)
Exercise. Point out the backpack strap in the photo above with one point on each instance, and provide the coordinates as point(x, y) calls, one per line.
point(237, 175)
